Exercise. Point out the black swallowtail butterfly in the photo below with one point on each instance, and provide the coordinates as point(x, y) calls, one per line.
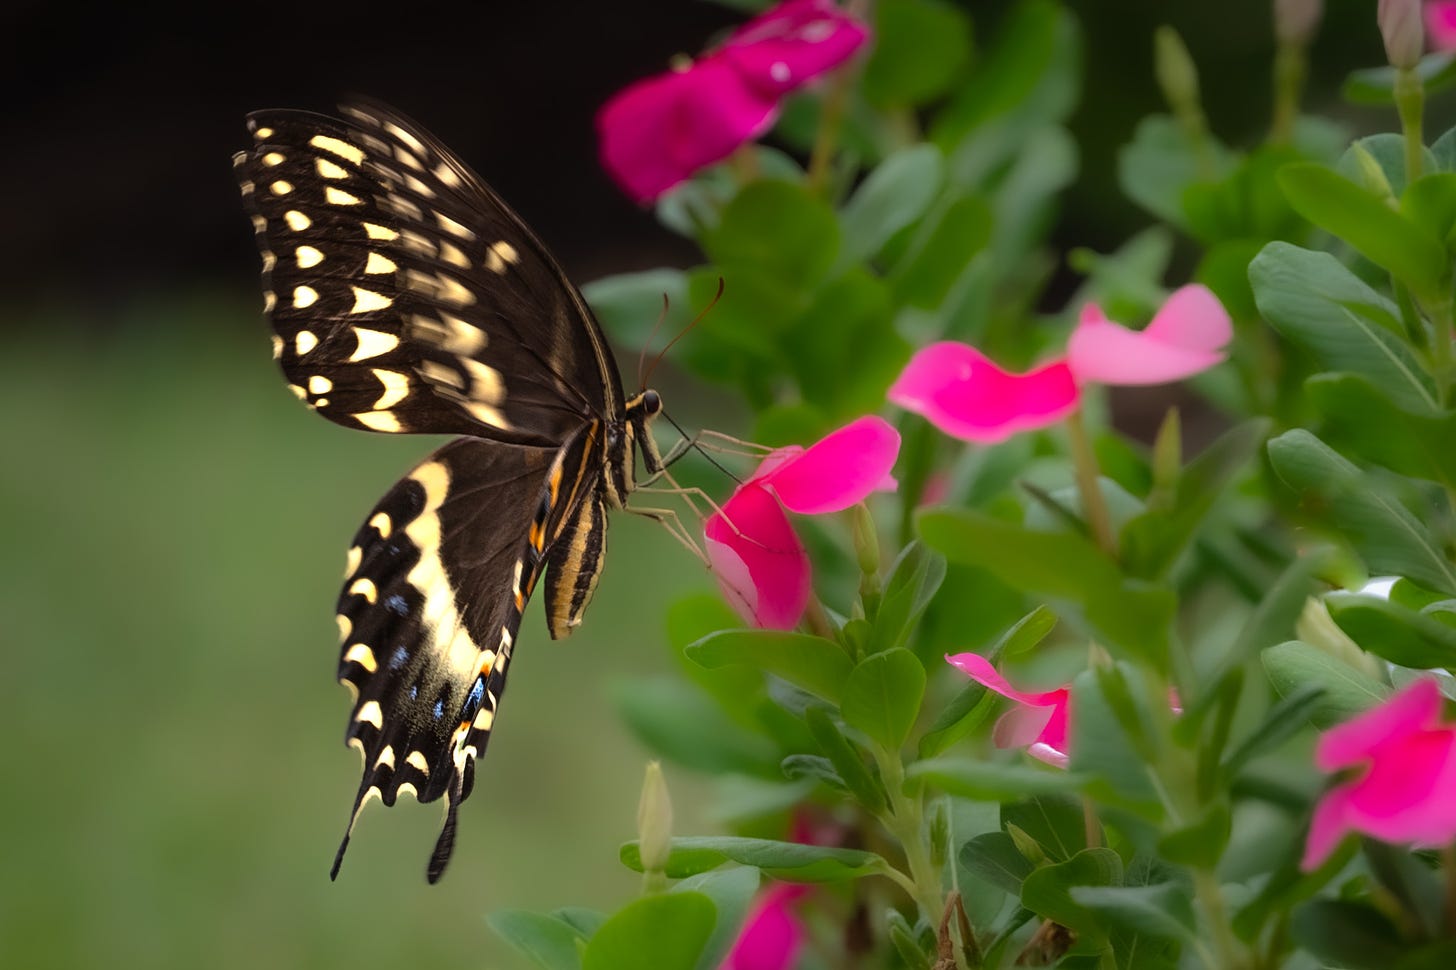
point(407, 297)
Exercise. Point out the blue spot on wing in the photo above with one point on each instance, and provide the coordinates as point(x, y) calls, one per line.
point(397, 605)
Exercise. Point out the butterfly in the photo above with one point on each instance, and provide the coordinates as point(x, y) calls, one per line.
point(407, 298)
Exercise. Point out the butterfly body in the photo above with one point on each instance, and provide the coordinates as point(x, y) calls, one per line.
point(406, 297)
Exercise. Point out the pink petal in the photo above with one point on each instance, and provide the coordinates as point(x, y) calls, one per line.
point(1400, 715)
point(1021, 726)
point(1044, 752)
point(1183, 339)
point(838, 471)
point(771, 936)
point(1401, 798)
point(979, 669)
point(793, 43)
point(1441, 24)
point(657, 132)
point(760, 565)
point(1329, 825)
point(964, 394)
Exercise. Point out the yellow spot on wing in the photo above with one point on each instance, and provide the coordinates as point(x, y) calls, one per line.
point(379, 232)
point(346, 626)
point(296, 220)
point(329, 170)
point(404, 136)
point(366, 301)
point(319, 384)
point(453, 227)
point(396, 389)
point(352, 560)
point(262, 133)
point(484, 718)
point(281, 187)
point(364, 587)
point(447, 175)
point(372, 343)
point(416, 760)
point(506, 252)
point(298, 391)
point(361, 654)
point(305, 341)
point(452, 291)
point(386, 757)
point(442, 374)
point(270, 300)
point(451, 254)
point(485, 382)
point(488, 415)
point(304, 296)
point(339, 147)
point(277, 346)
point(378, 420)
point(378, 263)
point(369, 713)
point(335, 196)
point(273, 158)
point(380, 523)
point(308, 257)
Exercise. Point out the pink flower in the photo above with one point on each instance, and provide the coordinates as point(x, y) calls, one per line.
point(1038, 724)
point(967, 396)
point(771, 936)
point(1405, 790)
point(759, 561)
point(657, 132)
point(1186, 337)
point(1441, 24)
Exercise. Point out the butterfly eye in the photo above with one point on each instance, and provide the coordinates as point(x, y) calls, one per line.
point(651, 402)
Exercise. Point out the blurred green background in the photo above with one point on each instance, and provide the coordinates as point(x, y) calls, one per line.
point(176, 523)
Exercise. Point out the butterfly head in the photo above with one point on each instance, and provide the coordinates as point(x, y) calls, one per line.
point(641, 410)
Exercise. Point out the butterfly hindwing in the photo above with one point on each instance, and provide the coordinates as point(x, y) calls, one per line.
point(405, 296)
point(435, 585)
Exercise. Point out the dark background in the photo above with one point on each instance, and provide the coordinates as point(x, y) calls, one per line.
point(174, 522)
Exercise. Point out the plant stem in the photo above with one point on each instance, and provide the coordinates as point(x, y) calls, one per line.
point(826, 139)
point(905, 822)
point(1093, 505)
point(1409, 102)
point(1290, 69)
point(1448, 868)
point(817, 620)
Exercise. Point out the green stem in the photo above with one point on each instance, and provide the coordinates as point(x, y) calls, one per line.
point(905, 821)
point(1410, 102)
point(826, 139)
point(1441, 326)
point(1085, 463)
point(1291, 66)
point(1448, 869)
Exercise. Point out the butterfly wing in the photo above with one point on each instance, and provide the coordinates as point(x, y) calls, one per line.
point(405, 295)
point(436, 582)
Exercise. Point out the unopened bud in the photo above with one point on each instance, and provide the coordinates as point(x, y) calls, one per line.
point(866, 541)
point(1402, 31)
point(654, 820)
point(1295, 20)
point(1173, 66)
point(1317, 628)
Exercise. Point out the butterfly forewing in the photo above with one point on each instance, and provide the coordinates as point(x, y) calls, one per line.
point(405, 295)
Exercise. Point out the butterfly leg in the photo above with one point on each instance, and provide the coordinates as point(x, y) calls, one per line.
point(673, 523)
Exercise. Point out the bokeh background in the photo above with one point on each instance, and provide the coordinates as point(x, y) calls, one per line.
point(175, 523)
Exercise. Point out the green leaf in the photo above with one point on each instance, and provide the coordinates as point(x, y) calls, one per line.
point(1294, 666)
point(1376, 85)
point(1199, 843)
point(990, 780)
point(546, 941)
point(1389, 240)
point(1163, 912)
point(817, 665)
point(677, 721)
point(797, 766)
point(1430, 202)
point(1134, 617)
point(1347, 934)
point(1156, 168)
point(1394, 632)
point(731, 891)
point(897, 192)
point(956, 718)
point(882, 696)
point(914, 579)
point(1103, 747)
point(1152, 542)
point(843, 348)
point(943, 247)
point(1287, 717)
point(786, 861)
point(1387, 151)
point(1048, 891)
point(1058, 823)
point(1320, 305)
point(667, 931)
point(1363, 419)
point(1385, 533)
point(920, 48)
point(847, 761)
point(779, 230)
point(993, 857)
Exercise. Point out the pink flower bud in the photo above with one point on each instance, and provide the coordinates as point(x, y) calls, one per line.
point(1401, 29)
point(1295, 20)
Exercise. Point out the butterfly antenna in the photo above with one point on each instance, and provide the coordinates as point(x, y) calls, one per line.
point(684, 332)
point(700, 450)
point(642, 357)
